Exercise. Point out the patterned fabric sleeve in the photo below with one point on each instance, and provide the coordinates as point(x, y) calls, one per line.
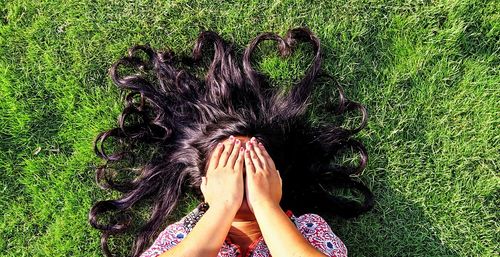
point(317, 231)
point(168, 238)
point(174, 233)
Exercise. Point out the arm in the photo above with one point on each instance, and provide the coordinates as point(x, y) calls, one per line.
point(281, 235)
point(215, 222)
point(263, 185)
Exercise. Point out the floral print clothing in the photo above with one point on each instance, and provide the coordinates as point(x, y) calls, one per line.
point(312, 226)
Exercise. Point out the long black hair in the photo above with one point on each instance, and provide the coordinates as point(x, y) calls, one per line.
point(183, 117)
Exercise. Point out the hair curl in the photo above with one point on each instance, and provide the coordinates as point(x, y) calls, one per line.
point(183, 117)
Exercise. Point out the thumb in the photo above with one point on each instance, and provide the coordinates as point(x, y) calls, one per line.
point(203, 184)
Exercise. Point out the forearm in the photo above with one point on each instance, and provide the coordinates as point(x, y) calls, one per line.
point(281, 236)
point(215, 223)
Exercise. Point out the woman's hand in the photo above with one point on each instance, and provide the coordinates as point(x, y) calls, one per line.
point(223, 185)
point(263, 181)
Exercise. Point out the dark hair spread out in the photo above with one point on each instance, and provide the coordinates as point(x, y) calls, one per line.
point(183, 117)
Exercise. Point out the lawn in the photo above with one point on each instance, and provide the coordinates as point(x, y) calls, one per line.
point(427, 72)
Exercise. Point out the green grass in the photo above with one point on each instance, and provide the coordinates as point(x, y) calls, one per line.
point(427, 71)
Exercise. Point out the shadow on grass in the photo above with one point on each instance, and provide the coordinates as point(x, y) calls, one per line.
point(395, 227)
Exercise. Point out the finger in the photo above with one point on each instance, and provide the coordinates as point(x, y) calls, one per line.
point(260, 155)
point(268, 158)
point(214, 160)
point(228, 148)
point(234, 155)
point(250, 169)
point(254, 158)
point(240, 161)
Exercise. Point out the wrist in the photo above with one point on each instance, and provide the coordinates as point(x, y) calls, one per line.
point(225, 208)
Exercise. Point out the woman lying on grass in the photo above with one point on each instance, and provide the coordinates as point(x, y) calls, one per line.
point(224, 138)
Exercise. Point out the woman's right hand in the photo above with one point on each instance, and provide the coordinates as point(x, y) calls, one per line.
point(223, 184)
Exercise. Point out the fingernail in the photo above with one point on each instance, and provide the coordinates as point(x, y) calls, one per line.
point(219, 144)
point(261, 145)
point(231, 137)
point(241, 149)
point(252, 139)
point(237, 141)
point(248, 144)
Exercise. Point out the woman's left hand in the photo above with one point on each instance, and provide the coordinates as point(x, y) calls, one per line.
point(263, 182)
